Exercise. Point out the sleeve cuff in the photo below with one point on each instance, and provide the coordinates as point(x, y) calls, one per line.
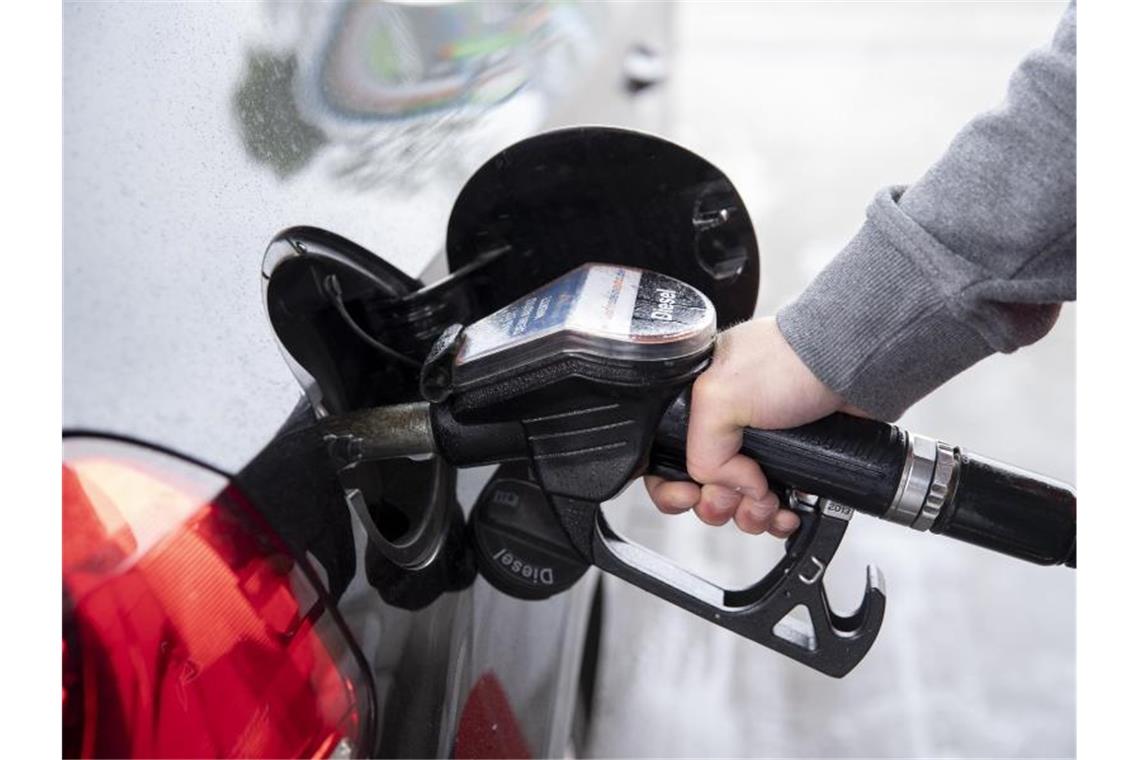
point(874, 326)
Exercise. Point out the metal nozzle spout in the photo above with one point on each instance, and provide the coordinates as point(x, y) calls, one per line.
point(382, 432)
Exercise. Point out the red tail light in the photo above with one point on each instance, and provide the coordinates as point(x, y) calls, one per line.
point(189, 631)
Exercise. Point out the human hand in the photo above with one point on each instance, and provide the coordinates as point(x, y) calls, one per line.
point(755, 380)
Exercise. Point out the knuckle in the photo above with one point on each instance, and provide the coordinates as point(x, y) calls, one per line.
point(710, 515)
point(746, 523)
point(762, 479)
point(765, 510)
point(709, 393)
point(700, 472)
point(699, 464)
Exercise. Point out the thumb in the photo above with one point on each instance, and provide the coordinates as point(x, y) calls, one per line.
point(716, 431)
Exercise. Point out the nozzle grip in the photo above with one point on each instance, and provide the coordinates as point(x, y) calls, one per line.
point(880, 470)
point(852, 460)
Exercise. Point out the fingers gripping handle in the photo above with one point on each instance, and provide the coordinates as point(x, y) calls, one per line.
point(849, 459)
point(827, 641)
point(881, 470)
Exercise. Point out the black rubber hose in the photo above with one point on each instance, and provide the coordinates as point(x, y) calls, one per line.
point(999, 507)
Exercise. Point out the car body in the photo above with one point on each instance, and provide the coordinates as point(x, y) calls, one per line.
point(193, 135)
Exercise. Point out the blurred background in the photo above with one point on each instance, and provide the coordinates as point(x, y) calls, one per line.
point(809, 108)
point(194, 132)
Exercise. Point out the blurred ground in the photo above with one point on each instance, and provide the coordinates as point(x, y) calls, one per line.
point(810, 108)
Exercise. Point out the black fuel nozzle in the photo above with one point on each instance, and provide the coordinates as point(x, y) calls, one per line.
point(582, 386)
point(927, 485)
point(568, 385)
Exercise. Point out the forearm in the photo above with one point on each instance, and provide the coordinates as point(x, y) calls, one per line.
point(973, 258)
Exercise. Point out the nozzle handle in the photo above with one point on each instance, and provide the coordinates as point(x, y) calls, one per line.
point(852, 460)
point(879, 469)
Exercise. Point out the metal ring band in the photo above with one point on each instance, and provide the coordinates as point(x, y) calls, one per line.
point(944, 465)
point(918, 471)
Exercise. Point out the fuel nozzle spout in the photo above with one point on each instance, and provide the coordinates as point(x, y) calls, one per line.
point(382, 432)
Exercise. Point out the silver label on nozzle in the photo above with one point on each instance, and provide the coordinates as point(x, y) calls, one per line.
point(609, 297)
point(603, 309)
point(544, 311)
point(666, 308)
point(835, 509)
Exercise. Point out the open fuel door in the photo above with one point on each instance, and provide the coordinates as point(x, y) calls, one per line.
point(355, 331)
point(598, 194)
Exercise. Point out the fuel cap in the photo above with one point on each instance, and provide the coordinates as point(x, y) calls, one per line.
point(519, 545)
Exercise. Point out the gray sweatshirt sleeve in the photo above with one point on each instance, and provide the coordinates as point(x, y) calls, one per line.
point(973, 258)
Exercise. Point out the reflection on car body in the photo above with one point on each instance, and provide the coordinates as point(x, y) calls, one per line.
point(398, 89)
point(195, 133)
